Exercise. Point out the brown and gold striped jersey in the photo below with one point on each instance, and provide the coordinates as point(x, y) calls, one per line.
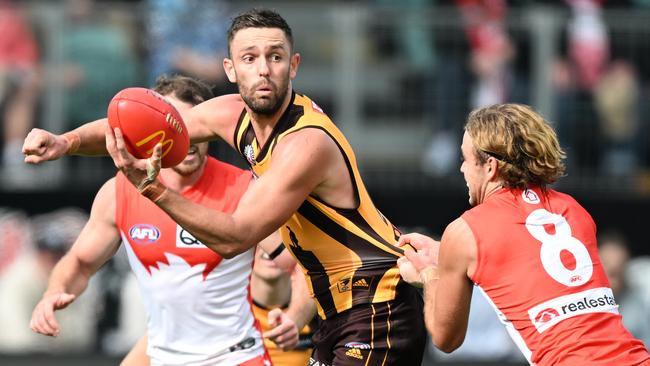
point(347, 255)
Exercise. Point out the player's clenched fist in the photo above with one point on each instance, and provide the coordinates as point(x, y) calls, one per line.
point(43, 320)
point(41, 145)
point(284, 332)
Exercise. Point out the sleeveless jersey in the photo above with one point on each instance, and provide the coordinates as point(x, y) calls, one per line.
point(197, 302)
point(348, 256)
point(538, 264)
point(297, 356)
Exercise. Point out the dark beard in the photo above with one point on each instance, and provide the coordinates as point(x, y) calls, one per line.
point(259, 106)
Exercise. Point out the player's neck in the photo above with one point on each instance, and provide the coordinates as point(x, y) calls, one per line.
point(270, 293)
point(263, 125)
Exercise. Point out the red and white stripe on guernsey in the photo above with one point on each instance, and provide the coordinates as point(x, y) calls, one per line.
point(197, 302)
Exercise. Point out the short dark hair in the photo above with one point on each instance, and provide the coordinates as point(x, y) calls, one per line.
point(185, 88)
point(259, 18)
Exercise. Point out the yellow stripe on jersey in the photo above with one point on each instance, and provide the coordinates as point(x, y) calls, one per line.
point(348, 255)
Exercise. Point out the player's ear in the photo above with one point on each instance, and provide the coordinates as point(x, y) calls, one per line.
point(492, 167)
point(229, 68)
point(295, 62)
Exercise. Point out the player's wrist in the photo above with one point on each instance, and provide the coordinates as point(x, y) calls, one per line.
point(154, 191)
point(429, 273)
point(73, 140)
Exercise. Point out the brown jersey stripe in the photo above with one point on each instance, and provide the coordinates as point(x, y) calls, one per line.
point(356, 218)
point(316, 274)
point(374, 261)
point(239, 142)
point(374, 255)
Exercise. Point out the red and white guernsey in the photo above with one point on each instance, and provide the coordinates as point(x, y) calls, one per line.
point(197, 302)
point(538, 264)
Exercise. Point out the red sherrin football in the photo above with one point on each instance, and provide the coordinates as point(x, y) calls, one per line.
point(146, 118)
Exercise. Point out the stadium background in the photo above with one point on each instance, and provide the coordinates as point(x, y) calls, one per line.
point(401, 106)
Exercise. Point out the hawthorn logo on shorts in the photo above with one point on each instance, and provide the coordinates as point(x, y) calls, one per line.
point(358, 345)
point(144, 233)
point(551, 312)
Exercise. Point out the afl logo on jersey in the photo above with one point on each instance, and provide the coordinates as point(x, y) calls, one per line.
point(530, 196)
point(144, 233)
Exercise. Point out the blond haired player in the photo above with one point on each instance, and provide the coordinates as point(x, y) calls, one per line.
point(531, 250)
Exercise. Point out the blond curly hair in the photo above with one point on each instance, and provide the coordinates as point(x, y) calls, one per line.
point(524, 144)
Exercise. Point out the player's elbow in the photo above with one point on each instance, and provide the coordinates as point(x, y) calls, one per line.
point(230, 252)
point(448, 344)
point(233, 249)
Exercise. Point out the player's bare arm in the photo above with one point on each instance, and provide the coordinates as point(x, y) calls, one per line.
point(41, 145)
point(287, 323)
point(206, 121)
point(301, 307)
point(213, 118)
point(302, 163)
point(96, 244)
point(447, 300)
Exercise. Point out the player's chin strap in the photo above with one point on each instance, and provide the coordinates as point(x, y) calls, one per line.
point(148, 186)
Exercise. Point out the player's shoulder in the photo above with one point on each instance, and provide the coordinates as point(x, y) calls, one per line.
point(109, 186)
point(305, 141)
point(307, 103)
point(458, 229)
point(224, 107)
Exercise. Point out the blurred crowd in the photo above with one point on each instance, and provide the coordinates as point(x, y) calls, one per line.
point(109, 317)
point(599, 81)
point(59, 74)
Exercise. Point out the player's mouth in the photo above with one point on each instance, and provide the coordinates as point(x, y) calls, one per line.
point(264, 88)
point(193, 150)
point(265, 256)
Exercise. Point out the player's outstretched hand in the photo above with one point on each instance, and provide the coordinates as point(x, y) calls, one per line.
point(285, 331)
point(43, 320)
point(41, 145)
point(140, 172)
